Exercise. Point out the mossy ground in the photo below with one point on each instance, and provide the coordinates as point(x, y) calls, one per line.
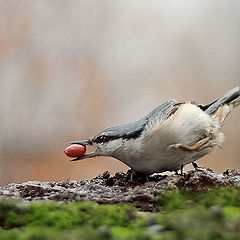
point(214, 214)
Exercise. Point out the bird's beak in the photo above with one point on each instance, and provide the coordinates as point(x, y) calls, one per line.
point(84, 142)
point(89, 155)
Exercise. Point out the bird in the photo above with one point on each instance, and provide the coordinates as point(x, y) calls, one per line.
point(171, 136)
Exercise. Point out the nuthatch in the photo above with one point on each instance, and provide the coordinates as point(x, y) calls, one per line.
point(169, 137)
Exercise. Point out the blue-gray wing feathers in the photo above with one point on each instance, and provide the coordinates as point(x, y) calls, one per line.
point(134, 129)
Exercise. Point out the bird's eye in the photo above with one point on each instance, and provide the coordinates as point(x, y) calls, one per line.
point(101, 139)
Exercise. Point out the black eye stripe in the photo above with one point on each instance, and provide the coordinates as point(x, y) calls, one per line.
point(104, 138)
point(132, 135)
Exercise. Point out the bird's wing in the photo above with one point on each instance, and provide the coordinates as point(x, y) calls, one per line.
point(134, 129)
point(164, 111)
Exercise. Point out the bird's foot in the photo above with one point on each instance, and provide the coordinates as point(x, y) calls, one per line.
point(195, 165)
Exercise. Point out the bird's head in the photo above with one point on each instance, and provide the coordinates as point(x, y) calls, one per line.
point(105, 144)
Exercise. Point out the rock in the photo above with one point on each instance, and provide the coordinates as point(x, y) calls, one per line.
point(122, 187)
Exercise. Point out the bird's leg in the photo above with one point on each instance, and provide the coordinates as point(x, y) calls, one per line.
point(181, 171)
point(182, 174)
point(195, 165)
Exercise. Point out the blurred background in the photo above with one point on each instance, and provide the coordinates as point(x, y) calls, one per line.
point(69, 69)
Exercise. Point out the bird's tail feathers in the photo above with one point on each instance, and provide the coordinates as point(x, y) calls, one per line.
point(222, 107)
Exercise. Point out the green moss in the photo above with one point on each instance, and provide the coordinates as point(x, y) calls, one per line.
point(214, 214)
point(220, 196)
point(232, 212)
point(216, 196)
point(172, 200)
